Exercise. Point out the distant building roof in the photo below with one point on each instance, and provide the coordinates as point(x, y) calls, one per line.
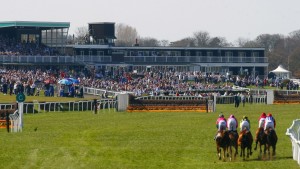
point(34, 24)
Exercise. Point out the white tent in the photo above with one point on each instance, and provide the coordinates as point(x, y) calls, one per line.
point(281, 72)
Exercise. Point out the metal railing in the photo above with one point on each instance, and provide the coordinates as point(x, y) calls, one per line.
point(99, 59)
point(193, 59)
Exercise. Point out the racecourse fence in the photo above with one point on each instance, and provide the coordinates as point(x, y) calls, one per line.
point(259, 96)
point(36, 107)
point(294, 133)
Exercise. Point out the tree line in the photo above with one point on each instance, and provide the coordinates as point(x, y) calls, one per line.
point(279, 49)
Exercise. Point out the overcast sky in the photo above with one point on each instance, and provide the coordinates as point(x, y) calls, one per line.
point(166, 19)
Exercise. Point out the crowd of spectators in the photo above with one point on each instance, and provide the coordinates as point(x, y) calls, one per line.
point(12, 47)
point(192, 83)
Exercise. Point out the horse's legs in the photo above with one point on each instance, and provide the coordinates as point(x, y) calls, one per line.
point(241, 152)
point(236, 150)
point(219, 152)
point(268, 150)
point(224, 153)
point(274, 150)
point(256, 144)
point(229, 153)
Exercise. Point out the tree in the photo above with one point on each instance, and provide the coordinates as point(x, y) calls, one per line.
point(164, 43)
point(268, 41)
point(186, 42)
point(246, 43)
point(81, 35)
point(218, 42)
point(126, 35)
point(149, 42)
point(202, 39)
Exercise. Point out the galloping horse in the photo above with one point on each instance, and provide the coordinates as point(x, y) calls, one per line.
point(222, 140)
point(271, 140)
point(245, 141)
point(261, 138)
point(233, 143)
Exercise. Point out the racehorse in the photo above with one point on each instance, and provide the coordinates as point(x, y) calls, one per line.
point(271, 140)
point(245, 141)
point(222, 140)
point(261, 138)
point(233, 143)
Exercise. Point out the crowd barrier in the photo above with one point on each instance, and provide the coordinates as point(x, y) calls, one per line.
point(294, 133)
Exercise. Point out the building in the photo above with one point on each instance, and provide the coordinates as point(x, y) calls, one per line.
point(249, 61)
point(107, 56)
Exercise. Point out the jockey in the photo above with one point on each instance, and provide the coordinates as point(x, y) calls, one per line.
point(262, 119)
point(221, 123)
point(245, 123)
point(232, 123)
point(270, 122)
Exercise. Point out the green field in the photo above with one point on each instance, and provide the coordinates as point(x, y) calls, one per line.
point(112, 140)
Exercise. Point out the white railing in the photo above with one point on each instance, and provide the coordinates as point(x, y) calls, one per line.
point(84, 105)
point(101, 92)
point(294, 133)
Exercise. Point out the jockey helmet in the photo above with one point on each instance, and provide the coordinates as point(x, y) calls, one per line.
point(270, 115)
point(263, 114)
point(245, 117)
point(221, 115)
point(231, 116)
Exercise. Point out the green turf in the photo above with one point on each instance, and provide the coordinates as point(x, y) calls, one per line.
point(112, 140)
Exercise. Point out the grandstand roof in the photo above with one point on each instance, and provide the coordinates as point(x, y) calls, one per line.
point(34, 24)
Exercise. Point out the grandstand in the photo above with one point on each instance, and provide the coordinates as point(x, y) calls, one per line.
point(39, 44)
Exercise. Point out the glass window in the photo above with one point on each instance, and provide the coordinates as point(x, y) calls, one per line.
point(82, 53)
point(24, 38)
point(209, 53)
point(255, 54)
point(242, 54)
point(228, 54)
point(32, 38)
point(187, 53)
point(100, 53)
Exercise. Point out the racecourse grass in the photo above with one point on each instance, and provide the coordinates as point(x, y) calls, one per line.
point(113, 140)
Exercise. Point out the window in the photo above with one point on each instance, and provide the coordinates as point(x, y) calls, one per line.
point(187, 53)
point(255, 54)
point(198, 53)
point(210, 53)
point(82, 53)
point(242, 54)
point(175, 53)
point(140, 53)
point(24, 38)
point(100, 53)
point(228, 54)
point(90, 53)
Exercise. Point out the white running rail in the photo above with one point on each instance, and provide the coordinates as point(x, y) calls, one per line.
point(294, 133)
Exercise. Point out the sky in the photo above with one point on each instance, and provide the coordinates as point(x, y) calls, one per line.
point(170, 20)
